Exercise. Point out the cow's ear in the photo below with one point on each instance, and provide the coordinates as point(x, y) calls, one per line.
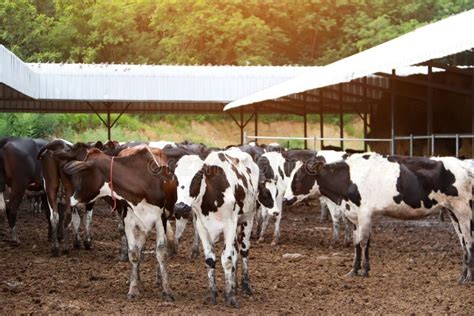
point(98, 144)
point(73, 167)
point(315, 166)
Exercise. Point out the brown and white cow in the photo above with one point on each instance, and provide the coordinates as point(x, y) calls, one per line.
point(367, 185)
point(221, 191)
point(143, 180)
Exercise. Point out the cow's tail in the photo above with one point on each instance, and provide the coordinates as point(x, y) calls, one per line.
point(54, 145)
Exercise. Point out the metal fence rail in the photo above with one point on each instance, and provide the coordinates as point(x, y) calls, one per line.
point(411, 138)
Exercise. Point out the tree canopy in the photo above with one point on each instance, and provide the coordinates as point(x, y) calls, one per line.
point(250, 32)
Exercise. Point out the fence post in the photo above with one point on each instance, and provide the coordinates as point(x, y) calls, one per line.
point(457, 145)
point(411, 145)
point(432, 144)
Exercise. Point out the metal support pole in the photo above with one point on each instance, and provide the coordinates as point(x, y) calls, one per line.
point(241, 126)
point(457, 145)
point(411, 145)
point(472, 117)
point(364, 116)
point(341, 118)
point(321, 127)
point(109, 126)
point(305, 131)
point(245, 138)
point(392, 115)
point(432, 144)
point(429, 109)
point(256, 123)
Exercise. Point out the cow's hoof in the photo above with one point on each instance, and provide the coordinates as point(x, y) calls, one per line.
point(76, 244)
point(261, 240)
point(88, 244)
point(55, 252)
point(231, 301)
point(364, 274)
point(14, 243)
point(246, 289)
point(167, 297)
point(194, 253)
point(123, 257)
point(274, 243)
point(133, 294)
point(352, 273)
point(211, 299)
point(65, 251)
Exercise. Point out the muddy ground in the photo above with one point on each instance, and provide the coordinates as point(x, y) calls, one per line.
point(415, 268)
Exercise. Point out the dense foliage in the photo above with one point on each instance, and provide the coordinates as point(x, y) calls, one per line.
point(236, 32)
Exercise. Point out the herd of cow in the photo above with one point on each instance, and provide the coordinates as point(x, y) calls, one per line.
point(223, 191)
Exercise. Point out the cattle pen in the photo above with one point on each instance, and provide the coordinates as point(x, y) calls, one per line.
point(414, 96)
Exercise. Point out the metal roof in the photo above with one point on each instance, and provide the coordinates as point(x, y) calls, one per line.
point(436, 40)
point(142, 83)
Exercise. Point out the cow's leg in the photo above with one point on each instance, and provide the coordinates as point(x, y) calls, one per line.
point(244, 252)
point(276, 233)
point(171, 240)
point(161, 254)
point(258, 220)
point(123, 249)
point(324, 210)
point(180, 227)
point(2, 202)
point(348, 228)
point(51, 193)
point(463, 224)
point(229, 260)
point(265, 220)
point(357, 253)
point(195, 246)
point(46, 210)
point(335, 218)
point(11, 209)
point(210, 260)
point(365, 225)
point(88, 225)
point(76, 223)
point(136, 241)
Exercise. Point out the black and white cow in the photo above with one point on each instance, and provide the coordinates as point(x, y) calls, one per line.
point(141, 179)
point(366, 185)
point(222, 193)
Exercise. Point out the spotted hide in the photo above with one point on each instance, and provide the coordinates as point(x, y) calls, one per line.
point(221, 191)
point(400, 187)
point(143, 181)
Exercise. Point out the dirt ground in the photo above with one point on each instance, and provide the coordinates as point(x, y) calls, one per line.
point(415, 267)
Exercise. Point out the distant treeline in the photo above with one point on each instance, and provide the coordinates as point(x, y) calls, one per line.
point(250, 32)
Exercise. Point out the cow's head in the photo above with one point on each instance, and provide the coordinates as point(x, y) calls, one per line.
point(302, 181)
point(188, 178)
point(271, 186)
point(89, 182)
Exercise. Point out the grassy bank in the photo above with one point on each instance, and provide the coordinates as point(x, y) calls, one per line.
point(211, 129)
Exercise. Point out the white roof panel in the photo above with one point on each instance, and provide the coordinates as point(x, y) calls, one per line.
point(142, 83)
point(436, 40)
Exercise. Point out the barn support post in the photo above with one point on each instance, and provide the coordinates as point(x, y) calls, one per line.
point(108, 121)
point(241, 124)
point(472, 117)
point(321, 118)
point(109, 127)
point(392, 115)
point(429, 110)
point(305, 123)
point(364, 117)
point(255, 114)
point(341, 117)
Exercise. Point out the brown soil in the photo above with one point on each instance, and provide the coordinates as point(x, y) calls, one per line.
point(415, 267)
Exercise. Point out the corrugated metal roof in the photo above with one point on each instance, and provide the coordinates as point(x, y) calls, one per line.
point(436, 40)
point(139, 83)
